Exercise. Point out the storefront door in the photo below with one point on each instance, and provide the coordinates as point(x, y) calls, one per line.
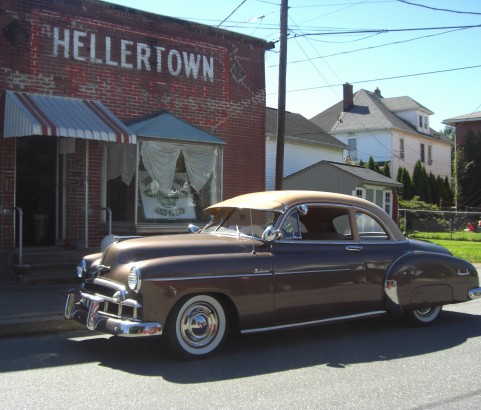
point(36, 168)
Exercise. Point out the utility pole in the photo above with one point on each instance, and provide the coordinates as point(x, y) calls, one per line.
point(281, 103)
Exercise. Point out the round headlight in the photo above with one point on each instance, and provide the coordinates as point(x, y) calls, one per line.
point(133, 279)
point(82, 269)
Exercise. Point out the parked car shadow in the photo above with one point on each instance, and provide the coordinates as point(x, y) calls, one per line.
point(338, 345)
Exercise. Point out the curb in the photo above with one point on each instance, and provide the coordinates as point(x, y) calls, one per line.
point(36, 325)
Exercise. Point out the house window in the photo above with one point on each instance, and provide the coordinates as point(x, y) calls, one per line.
point(174, 182)
point(430, 155)
point(401, 148)
point(423, 122)
point(422, 155)
point(380, 197)
point(352, 142)
point(359, 192)
point(388, 202)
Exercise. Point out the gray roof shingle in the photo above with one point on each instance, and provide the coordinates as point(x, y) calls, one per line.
point(300, 130)
point(370, 112)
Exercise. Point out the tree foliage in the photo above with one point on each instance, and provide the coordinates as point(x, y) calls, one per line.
point(469, 171)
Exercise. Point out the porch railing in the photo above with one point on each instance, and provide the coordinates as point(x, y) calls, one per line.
point(19, 212)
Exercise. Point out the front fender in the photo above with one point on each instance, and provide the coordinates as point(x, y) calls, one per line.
point(245, 279)
point(422, 279)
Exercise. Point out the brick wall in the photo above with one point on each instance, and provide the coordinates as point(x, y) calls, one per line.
point(136, 63)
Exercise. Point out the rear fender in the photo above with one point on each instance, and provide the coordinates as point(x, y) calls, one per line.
point(423, 279)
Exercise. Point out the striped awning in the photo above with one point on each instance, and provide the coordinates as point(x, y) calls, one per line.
point(37, 114)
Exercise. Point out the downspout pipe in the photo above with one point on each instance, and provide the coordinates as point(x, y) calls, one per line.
point(86, 196)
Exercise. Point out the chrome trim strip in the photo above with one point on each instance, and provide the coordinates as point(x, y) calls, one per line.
point(315, 322)
point(108, 284)
point(311, 271)
point(208, 277)
point(474, 293)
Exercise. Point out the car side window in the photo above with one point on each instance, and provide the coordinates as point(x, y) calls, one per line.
point(369, 229)
point(291, 228)
point(326, 223)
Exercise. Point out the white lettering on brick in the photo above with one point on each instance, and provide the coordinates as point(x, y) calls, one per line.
point(65, 43)
point(108, 52)
point(191, 64)
point(93, 58)
point(178, 64)
point(125, 52)
point(77, 44)
point(159, 58)
point(143, 55)
point(178, 61)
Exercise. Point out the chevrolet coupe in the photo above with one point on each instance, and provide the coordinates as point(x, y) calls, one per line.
point(267, 261)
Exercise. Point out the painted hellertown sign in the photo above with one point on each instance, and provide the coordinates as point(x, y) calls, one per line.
point(82, 46)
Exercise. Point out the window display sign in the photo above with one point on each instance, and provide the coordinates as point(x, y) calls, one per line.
point(159, 204)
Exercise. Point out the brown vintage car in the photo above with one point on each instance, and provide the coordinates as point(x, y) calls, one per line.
point(267, 261)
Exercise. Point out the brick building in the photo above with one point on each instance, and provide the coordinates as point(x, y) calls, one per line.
point(107, 110)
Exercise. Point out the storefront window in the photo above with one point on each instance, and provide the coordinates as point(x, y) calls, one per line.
point(120, 192)
point(175, 182)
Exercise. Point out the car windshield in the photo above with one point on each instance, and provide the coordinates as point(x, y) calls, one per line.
point(241, 222)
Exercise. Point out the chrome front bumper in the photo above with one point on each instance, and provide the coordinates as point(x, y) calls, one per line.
point(474, 293)
point(84, 308)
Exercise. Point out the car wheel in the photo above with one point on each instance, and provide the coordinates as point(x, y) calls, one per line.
point(197, 326)
point(424, 316)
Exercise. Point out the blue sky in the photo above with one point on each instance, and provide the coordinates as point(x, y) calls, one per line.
point(319, 63)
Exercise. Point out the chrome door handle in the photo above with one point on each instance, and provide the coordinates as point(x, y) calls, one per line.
point(354, 248)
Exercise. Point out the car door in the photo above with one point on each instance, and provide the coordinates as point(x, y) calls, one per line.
point(319, 269)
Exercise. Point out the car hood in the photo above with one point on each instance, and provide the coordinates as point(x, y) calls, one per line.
point(152, 247)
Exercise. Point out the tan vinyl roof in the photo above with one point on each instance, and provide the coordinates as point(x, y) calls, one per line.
point(280, 200)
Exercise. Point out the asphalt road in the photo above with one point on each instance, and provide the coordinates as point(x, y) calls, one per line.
point(370, 364)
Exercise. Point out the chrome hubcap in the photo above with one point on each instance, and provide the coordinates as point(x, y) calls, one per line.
point(199, 324)
point(424, 312)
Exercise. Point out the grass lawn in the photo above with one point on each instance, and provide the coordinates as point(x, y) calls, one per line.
point(465, 245)
point(470, 251)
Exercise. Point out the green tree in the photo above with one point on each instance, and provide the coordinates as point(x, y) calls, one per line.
point(370, 164)
point(386, 171)
point(408, 188)
point(469, 171)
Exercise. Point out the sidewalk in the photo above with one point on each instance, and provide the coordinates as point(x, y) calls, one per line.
point(29, 309)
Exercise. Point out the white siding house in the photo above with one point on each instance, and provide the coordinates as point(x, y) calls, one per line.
point(305, 144)
point(395, 130)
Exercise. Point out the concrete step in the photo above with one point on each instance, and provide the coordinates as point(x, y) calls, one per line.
point(50, 265)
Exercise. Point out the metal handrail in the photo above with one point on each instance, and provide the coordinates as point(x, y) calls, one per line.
point(109, 218)
point(19, 212)
point(20, 234)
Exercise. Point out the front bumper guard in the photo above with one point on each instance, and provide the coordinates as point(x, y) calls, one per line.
point(91, 317)
point(474, 293)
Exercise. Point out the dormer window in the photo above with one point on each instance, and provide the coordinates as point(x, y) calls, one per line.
point(423, 122)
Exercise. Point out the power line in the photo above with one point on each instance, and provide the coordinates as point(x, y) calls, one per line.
point(438, 9)
point(386, 78)
point(372, 47)
point(397, 30)
point(232, 13)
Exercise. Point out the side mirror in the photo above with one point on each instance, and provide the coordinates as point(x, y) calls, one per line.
point(270, 234)
point(193, 228)
point(303, 209)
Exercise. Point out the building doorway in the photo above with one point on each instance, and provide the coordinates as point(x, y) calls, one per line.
point(36, 167)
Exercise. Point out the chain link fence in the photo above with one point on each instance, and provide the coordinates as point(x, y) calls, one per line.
point(420, 221)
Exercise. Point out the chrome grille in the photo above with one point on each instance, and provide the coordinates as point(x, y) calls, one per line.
point(113, 302)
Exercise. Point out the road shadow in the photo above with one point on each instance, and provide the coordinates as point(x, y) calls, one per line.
point(338, 345)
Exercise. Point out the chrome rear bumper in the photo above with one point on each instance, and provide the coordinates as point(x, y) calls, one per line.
point(84, 308)
point(474, 293)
